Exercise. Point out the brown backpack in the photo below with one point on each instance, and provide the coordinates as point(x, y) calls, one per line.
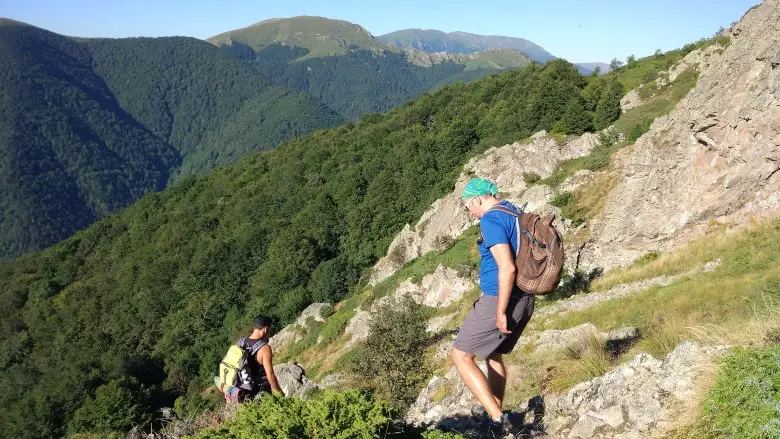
point(539, 257)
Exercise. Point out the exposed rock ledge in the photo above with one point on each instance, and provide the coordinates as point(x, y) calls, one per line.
point(445, 219)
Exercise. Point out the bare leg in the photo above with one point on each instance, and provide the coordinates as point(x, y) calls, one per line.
point(496, 376)
point(476, 381)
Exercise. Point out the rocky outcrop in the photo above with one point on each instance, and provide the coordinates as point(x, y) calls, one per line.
point(292, 379)
point(584, 301)
point(715, 157)
point(439, 289)
point(443, 397)
point(634, 400)
point(294, 333)
point(437, 324)
point(445, 219)
point(632, 99)
point(578, 336)
point(697, 60)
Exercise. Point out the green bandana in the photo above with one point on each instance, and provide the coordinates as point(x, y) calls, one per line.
point(478, 187)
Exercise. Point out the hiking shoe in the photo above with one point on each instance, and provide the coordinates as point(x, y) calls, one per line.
point(479, 412)
point(503, 427)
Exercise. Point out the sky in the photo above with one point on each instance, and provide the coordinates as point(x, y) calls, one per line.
point(578, 30)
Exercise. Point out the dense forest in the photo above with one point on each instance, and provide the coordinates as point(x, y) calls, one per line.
point(357, 82)
point(139, 307)
point(89, 126)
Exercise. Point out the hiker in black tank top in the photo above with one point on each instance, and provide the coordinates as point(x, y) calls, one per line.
point(261, 364)
point(256, 368)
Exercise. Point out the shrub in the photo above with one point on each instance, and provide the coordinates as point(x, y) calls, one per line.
point(393, 362)
point(328, 414)
point(569, 209)
point(531, 177)
point(638, 130)
point(646, 258)
point(116, 406)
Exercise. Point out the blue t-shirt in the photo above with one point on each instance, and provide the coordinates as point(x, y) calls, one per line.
point(497, 228)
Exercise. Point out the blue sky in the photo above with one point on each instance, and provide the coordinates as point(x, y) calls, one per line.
point(578, 30)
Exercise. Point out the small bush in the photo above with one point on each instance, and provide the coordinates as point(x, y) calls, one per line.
point(393, 362)
point(638, 130)
point(531, 177)
point(568, 205)
point(646, 258)
point(773, 336)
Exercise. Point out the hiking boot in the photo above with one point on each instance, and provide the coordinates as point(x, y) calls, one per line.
point(504, 427)
point(479, 413)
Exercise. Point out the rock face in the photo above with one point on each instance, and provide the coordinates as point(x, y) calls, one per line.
point(505, 165)
point(714, 157)
point(579, 335)
point(630, 100)
point(439, 289)
point(632, 400)
point(293, 333)
point(443, 397)
point(292, 379)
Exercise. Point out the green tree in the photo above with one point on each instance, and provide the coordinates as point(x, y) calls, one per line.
point(116, 407)
point(608, 108)
point(576, 118)
point(393, 359)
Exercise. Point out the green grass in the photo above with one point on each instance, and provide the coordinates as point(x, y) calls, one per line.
point(496, 59)
point(730, 305)
point(461, 256)
point(745, 401)
point(661, 104)
point(647, 69)
point(322, 36)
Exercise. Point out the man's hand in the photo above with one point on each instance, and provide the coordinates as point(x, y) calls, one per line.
point(501, 323)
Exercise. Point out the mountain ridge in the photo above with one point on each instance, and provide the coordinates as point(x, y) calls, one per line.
point(432, 40)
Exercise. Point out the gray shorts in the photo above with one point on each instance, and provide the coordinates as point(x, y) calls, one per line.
point(479, 335)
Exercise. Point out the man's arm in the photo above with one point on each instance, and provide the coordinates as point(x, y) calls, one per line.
point(502, 253)
point(266, 357)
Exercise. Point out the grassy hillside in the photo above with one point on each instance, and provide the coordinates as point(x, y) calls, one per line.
point(143, 303)
point(320, 36)
point(90, 126)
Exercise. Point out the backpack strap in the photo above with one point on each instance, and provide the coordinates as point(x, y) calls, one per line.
point(252, 350)
point(519, 216)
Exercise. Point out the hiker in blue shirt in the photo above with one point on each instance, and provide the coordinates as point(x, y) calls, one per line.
point(499, 316)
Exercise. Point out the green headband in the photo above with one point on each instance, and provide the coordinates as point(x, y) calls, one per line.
point(478, 187)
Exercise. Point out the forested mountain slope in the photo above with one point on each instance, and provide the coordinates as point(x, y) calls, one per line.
point(89, 126)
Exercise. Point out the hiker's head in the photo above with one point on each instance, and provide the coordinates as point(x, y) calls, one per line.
point(261, 326)
point(478, 196)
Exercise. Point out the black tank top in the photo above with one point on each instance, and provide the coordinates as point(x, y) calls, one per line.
point(256, 369)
